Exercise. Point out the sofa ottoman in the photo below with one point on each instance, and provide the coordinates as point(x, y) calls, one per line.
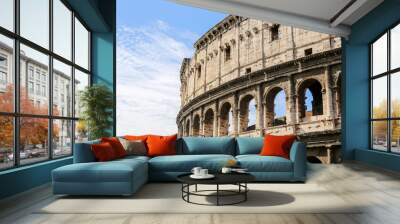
point(118, 177)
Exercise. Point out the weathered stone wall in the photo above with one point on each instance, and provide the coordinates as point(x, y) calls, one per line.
point(239, 60)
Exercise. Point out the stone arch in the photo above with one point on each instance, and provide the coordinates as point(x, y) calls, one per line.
point(313, 88)
point(225, 119)
point(209, 123)
point(187, 128)
point(196, 125)
point(246, 116)
point(271, 117)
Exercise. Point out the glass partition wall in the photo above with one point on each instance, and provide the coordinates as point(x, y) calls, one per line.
point(44, 65)
point(385, 91)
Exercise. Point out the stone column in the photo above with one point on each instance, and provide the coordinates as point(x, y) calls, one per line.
point(260, 109)
point(191, 124)
point(184, 127)
point(329, 155)
point(216, 120)
point(264, 105)
point(205, 69)
point(328, 93)
point(237, 48)
point(219, 58)
point(201, 131)
point(262, 46)
point(235, 117)
point(291, 103)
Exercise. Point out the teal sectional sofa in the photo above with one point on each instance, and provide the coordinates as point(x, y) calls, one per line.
point(125, 176)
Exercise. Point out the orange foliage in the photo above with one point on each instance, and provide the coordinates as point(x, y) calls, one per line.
point(33, 130)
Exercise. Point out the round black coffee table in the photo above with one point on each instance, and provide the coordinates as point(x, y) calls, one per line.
point(238, 179)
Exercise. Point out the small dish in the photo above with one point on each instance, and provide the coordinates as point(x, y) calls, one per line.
point(208, 176)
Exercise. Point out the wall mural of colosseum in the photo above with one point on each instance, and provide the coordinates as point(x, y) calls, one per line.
point(249, 78)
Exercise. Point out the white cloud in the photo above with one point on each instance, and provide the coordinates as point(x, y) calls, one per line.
point(148, 63)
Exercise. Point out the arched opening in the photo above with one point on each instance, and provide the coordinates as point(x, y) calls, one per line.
point(226, 116)
point(187, 128)
point(313, 159)
point(310, 99)
point(247, 113)
point(276, 107)
point(196, 125)
point(339, 96)
point(209, 123)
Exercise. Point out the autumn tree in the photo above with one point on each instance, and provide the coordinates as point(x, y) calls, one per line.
point(33, 131)
point(380, 127)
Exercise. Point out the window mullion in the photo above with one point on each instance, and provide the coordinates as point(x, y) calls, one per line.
point(50, 81)
point(73, 82)
point(389, 104)
point(16, 85)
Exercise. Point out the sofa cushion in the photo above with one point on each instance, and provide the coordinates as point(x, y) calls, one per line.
point(185, 163)
point(112, 171)
point(83, 152)
point(249, 145)
point(134, 147)
point(257, 163)
point(103, 152)
point(206, 145)
point(161, 145)
point(116, 145)
point(275, 145)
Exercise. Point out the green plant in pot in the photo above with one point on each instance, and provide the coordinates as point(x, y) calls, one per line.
point(96, 102)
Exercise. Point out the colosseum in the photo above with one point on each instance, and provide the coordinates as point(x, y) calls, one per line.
point(240, 66)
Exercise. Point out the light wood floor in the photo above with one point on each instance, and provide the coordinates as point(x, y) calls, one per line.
point(378, 189)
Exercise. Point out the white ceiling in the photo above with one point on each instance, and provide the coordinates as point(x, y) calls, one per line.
point(328, 16)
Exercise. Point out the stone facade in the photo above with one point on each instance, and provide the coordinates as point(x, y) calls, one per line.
point(242, 61)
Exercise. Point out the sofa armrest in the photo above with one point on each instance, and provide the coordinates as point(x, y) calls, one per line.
point(83, 152)
point(298, 155)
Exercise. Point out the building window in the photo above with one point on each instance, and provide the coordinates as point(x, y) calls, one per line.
point(30, 73)
point(274, 30)
point(38, 89)
point(30, 87)
point(248, 70)
point(37, 75)
point(199, 71)
point(385, 97)
point(54, 127)
point(43, 77)
point(228, 53)
point(44, 91)
point(308, 51)
point(3, 61)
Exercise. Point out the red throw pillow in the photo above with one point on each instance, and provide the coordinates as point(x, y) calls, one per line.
point(103, 152)
point(116, 145)
point(277, 145)
point(161, 145)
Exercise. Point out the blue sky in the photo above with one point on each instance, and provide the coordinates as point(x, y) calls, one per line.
point(153, 37)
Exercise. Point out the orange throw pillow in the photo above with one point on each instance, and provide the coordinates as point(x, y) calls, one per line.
point(116, 145)
point(103, 152)
point(161, 145)
point(277, 145)
point(136, 137)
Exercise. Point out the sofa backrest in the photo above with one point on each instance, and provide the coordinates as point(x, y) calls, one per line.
point(83, 152)
point(249, 145)
point(206, 145)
